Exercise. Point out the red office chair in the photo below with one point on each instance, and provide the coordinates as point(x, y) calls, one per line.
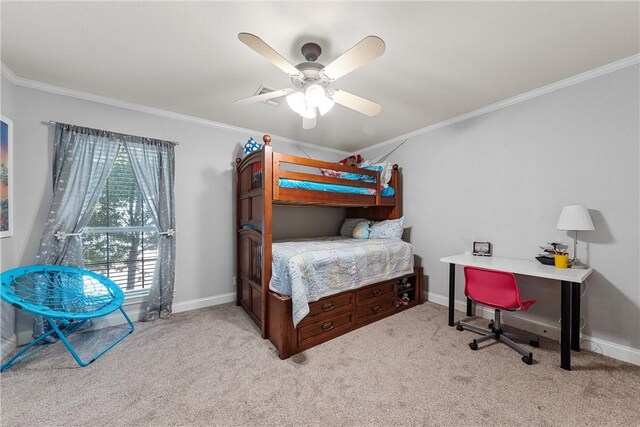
point(499, 290)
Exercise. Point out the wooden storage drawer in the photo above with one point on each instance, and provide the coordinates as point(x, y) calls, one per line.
point(379, 307)
point(330, 304)
point(375, 291)
point(323, 330)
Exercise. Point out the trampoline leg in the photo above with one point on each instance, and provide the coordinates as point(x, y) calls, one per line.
point(14, 359)
point(72, 350)
point(131, 329)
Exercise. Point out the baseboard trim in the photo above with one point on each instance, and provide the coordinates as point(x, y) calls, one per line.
point(8, 345)
point(195, 304)
point(597, 345)
point(116, 318)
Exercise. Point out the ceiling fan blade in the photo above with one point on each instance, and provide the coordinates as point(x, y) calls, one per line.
point(308, 123)
point(359, 104)
point(263, 97)
point(259, 45)
point(362, 53)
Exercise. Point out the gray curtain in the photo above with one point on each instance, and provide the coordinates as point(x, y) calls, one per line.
point(153, 167)
point(83, 159)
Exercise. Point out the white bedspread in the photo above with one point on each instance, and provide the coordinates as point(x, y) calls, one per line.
point(309, 269)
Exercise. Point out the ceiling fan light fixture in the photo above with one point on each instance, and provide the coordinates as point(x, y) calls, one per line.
point(314, 94)
point(325, 105)
point(297, 102)
point(308, 112)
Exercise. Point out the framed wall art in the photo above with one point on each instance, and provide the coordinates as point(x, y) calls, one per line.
point(6, 177)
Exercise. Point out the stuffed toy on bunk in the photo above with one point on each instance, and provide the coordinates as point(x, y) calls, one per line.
point(251, 146)
point(354, 160)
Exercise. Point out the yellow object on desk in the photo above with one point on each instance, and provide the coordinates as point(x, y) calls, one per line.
point(561, 261)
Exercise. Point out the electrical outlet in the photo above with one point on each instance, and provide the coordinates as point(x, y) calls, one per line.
point(174, 293)
point(235, 281)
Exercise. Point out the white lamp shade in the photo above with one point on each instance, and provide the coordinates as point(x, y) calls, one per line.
point(575, 218)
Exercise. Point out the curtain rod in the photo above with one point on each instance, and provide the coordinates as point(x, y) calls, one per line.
point(52, 122)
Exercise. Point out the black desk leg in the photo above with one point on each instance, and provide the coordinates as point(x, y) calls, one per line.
point(452, 291)
point(565, 326)
point(575, 316)
point(469, 307)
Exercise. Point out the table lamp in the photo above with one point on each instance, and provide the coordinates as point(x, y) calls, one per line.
point(575, 218)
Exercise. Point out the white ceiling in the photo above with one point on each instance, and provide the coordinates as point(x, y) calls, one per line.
point(443, 59)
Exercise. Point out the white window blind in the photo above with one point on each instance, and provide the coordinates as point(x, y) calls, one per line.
point(121, 240)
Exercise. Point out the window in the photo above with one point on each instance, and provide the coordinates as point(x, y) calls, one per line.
point(121, 240)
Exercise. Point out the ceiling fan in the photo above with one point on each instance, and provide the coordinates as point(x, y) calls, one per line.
point(311, 80)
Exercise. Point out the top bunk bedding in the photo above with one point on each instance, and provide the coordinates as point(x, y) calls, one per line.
point(334, 188)
point(299, 181)
point(310, 269)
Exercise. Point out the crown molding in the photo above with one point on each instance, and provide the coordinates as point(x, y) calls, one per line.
point(58, 90)
point(570, 81)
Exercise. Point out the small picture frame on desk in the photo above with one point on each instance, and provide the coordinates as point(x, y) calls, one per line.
point(482, 248)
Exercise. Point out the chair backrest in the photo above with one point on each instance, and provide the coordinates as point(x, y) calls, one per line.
point(60, 292)
point(494, 288)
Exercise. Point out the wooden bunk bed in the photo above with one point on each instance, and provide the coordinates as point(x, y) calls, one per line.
point(258, 188)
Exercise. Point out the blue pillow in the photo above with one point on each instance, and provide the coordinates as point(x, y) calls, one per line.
point(362, 230)
point(348, 225)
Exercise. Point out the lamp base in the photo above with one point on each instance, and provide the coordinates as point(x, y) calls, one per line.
point(578, 265)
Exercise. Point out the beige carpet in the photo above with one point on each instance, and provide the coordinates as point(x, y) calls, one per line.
point(210, 367)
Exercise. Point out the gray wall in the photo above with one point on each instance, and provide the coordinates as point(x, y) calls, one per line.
point(204, 176)
point(504, 176)
point(7, 252)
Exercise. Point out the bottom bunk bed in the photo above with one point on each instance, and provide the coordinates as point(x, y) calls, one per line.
point(338, 314)
point(323, 288)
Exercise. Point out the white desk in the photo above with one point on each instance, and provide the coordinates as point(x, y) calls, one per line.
point(570, 292)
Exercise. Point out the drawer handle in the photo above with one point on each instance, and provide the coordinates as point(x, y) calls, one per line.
point(376, 292)
point(328, 307)
point(327, 326)
point(376, 309)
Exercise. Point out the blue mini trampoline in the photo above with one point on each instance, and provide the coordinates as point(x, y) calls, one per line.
point(66, 297)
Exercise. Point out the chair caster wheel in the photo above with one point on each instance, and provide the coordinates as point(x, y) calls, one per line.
point(535, 344)
point(491, 326)
point(459, 327)
point(528, 359)
point(473, 345)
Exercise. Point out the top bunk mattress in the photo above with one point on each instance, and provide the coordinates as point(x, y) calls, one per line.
point(310, 269)
point(335, 188)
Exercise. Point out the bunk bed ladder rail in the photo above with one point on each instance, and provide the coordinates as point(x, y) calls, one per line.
point(253, 198)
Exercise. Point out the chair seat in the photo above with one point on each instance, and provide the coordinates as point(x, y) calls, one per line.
point(66, 298)
point(525, 304)
point(60, 292)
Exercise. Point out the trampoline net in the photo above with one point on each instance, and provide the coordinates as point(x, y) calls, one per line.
point(65, 291)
